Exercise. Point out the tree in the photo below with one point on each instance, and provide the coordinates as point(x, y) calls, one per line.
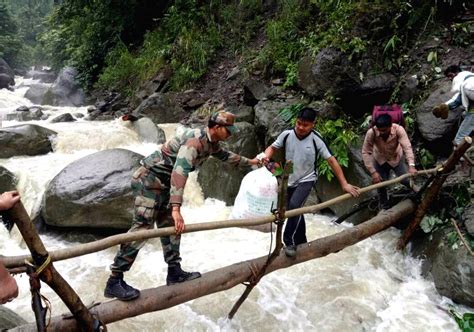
point(10, 42)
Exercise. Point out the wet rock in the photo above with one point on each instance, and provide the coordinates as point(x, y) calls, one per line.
point(65, 91)
point(408, 88)
point(22, 109)
point(331, 71)
point(25, 114)
point(148, 131)
point(7, 180)
point(268, 122)
point(254, 91)
point(437, 132)
point(7, 76)
point(9, 319)
point(36, 93)
point(468, 217)
point(160, 108)
point(30, 140)
point(93, 192)
point(78, 115)
point(221, 180)
point(452, 270)
point(242, 113)
point(66, 117)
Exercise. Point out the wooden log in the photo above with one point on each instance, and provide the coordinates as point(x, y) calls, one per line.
point(164, 297)
point(88, 248)
point(49, 275)
point(433, 191)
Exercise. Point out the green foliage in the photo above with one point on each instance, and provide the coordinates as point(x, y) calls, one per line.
point(427, 160)
point(289, 113)
point(462, 34)
point(339, 136)
point(430, 223)
point(187, 41)
point(81, 33)
point(465, 322)
point(10, 41)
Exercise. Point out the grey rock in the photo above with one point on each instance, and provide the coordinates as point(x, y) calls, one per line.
point(438, 132)
point(93, 192)
point(30, 140)
point(452, 270)
point(65, 91)
point(268, 122)
point(36, 93)
point(7, 180)
point(160, 108)
point(66, 117)
point(148, 131)
point(9, 319)
point(254, 91)
point(468, 217)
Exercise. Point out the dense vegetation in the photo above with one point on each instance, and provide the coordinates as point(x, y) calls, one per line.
point(21, 27)
point(121, 44)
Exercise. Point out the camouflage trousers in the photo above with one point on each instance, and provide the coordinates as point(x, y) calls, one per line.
point(151, 199)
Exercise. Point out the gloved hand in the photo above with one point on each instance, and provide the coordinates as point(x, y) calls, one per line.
point(441, 111)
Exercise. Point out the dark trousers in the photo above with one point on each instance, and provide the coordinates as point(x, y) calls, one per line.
point(295, 230)
point(384, 171)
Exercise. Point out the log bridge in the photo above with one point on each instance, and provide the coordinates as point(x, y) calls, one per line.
point(163, 297)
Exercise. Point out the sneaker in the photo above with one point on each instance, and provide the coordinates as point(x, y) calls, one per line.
point(177, 275)
point(290, 251)
point(118, 288)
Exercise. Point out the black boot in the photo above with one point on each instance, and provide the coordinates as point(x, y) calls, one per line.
point(117, 287)
point(176, 275)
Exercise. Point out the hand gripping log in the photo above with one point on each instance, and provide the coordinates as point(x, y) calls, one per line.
point(47, 273)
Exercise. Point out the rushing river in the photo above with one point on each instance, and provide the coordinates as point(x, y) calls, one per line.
point(367, 287)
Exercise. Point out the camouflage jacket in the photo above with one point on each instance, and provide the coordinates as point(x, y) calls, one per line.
point(182, 154)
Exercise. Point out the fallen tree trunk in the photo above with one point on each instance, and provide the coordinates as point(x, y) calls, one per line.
point(88, 248)
point(163, 297)
point(433, 190)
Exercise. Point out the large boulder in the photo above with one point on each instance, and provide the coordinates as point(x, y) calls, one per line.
point(7, 76)
point(437, 132)
point(268, 122)
point(5, 68)
point(330, 71)
point(30, 140)
point(160, 108)
point(65, 91)
point(36, 93)
point(452, 270)
point(9, 319)
point(254, 91)
point(6, 81)
point(221, 180)
point(149, 131)
point(93, 192)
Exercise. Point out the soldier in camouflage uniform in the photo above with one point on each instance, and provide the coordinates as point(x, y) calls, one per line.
point(158, 187)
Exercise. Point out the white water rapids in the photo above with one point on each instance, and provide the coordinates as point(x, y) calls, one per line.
point(367, 287)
